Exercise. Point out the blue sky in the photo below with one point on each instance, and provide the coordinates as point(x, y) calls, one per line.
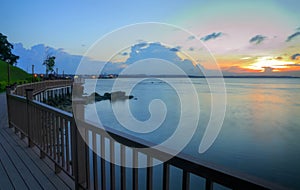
point(228, 27)
point(73, 25)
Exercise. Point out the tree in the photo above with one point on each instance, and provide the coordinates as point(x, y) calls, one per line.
point(6, 55)
point(5, 51)
point(49, 63)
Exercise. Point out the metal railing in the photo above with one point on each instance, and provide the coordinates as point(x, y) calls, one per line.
point(58, 137)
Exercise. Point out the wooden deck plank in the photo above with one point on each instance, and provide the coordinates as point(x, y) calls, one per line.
point(35, 179)
point(13, 173)
point(20, 166)
point(5, 182)
point(43, 169)
point(24, 171)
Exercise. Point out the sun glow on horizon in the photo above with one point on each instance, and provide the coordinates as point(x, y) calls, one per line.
point(262, 63)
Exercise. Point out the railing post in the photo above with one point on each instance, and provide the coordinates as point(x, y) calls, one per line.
point(208, 184)
point(29, 97)
point(8, 92)
point(81, 149)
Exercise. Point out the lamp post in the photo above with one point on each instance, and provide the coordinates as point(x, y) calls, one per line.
point(32, 68)
point(8, 74)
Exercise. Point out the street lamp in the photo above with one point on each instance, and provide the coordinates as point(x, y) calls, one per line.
point(32, 73)
point(8, 74)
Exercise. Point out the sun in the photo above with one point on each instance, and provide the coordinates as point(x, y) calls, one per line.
point(267, 62)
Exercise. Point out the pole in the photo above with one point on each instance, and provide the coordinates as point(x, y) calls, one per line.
point(8, 74)
point(32, 73)
point(29, 98)
point(8, 93)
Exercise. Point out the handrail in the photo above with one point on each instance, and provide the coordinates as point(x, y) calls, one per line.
point(56, 134)
point(41, 86)
point(183, 161)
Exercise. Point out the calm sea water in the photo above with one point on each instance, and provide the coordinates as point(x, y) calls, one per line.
point(261, 130)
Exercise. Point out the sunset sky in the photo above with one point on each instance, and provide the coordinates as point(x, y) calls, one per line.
point(253, 36)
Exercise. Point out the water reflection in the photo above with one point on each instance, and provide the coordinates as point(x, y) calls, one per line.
point(260, 133)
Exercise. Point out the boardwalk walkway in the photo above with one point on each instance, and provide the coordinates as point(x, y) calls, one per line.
point(20, 166)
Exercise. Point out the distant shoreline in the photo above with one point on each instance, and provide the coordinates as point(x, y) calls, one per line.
point(191, 76)
point(243, 77)
point(177, 76)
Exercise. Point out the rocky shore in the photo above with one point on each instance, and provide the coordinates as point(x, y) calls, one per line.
point(65, 102)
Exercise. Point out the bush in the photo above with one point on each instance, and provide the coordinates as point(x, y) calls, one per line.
point(3, 86)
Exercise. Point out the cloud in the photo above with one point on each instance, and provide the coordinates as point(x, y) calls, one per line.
point(161, 53)
point(124, 53)
point(191, 49)
point(37, 53)
point(142, 44)
point(268, 69)
point(174, 49)
point(292, 65)
point(211, 36)
point(292, 36)
point(191, 37)
point(245, 58)
point(295, 56)
point(257, 39)
point(236, 70)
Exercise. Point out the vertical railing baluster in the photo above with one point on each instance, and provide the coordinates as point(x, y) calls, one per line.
point(112, 165)
point(67, 144)
point(43, 131)
point(103, 176)
point(8, 105)
point(208, 184)
point(123, 168)
point(34, 124)
point(27, 131)
point(166, 176)
point(62, 145)
point(47, 131)
point(87, 158)
point(135, 175)
point(72, 125)
point(95, 161)
point(74, 153)
point(54, 137)
point(57, 138)
point(43, 113)
point(149, 172)
point(50, 132)
point(185, 180)
point(39, 128)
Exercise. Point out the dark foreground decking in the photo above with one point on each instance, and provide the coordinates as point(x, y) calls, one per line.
point(20, 166)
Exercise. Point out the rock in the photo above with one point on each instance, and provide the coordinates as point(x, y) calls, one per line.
point(113, 96)
point(65, 103)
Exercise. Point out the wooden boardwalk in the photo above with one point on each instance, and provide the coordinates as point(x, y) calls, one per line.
point(20, 166)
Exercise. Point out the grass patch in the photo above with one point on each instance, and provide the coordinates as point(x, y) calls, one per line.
point(17, 75)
